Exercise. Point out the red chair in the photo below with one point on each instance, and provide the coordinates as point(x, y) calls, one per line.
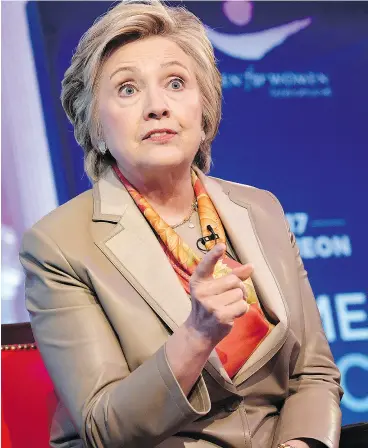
point(28, 397)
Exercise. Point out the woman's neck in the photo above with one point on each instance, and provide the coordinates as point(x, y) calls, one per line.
point(169, 192)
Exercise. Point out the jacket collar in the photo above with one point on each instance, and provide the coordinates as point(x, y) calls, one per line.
point(110, 199)
point(136, 252)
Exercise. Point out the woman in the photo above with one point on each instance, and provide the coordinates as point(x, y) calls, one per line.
point(171, 309)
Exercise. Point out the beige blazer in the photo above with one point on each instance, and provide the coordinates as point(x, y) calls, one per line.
point(103, 300)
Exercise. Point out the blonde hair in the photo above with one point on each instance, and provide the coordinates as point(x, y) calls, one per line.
point(126, 22)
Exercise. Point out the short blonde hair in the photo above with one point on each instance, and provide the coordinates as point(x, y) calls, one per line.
point(126, 22)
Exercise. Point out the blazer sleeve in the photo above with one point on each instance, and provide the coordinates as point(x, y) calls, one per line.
point(109, 405)
point(312, 408)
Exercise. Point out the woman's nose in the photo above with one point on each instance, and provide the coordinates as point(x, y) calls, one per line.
point(156, 107)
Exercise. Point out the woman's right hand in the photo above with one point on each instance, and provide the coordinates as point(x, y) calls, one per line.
point(217, 302)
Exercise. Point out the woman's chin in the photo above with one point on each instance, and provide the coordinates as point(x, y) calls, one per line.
point(167, 159)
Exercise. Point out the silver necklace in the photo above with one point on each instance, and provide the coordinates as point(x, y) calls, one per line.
point(191, 225)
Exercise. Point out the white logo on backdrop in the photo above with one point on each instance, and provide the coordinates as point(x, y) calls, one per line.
point(255, 46)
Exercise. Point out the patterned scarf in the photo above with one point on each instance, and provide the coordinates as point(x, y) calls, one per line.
point(250, 329)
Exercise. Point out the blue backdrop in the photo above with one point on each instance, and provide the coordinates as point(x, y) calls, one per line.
point(294, 122)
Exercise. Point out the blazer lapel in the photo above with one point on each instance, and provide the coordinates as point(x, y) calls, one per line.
point(135, 251)
point(238, 221)
point(138, 255)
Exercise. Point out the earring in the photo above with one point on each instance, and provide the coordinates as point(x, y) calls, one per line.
point(102, 147)
point(203, 137)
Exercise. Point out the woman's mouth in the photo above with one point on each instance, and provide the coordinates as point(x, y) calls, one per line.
point(160, 136)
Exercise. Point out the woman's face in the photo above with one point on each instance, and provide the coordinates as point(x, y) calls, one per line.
point(150, 85)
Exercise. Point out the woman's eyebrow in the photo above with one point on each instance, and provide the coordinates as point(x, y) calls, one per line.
point(170, 63)
point(131, 68)
point(125, 68)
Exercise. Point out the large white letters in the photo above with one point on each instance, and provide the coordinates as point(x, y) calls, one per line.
point(356, 404)
point(346, 317)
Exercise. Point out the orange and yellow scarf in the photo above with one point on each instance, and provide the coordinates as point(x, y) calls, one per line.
point(250, 329)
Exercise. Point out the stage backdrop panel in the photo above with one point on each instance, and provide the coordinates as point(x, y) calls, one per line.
point(294, 122)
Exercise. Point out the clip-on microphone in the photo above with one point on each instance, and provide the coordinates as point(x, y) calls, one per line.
point(213, 237)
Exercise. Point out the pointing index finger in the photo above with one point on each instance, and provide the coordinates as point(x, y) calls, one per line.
point(206, 266)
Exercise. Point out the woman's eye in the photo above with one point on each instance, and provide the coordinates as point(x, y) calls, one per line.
point(127, 90)
point(177, 84)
